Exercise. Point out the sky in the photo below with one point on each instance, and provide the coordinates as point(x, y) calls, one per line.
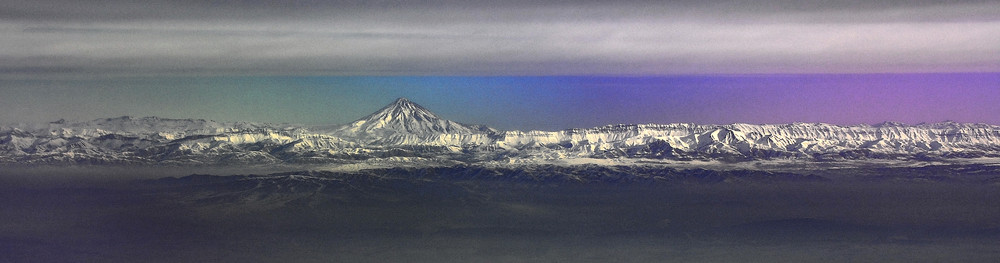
point(519, 102)
point(508, 64)
point(489, 37)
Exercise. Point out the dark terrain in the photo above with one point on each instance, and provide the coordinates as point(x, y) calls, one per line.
point(528, 214)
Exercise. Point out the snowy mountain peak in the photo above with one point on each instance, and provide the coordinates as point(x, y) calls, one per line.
point(406, 117)
point(403, 100)
point(402, 109)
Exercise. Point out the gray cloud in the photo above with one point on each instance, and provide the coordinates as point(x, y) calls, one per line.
point(496, 38)
point(448, 11)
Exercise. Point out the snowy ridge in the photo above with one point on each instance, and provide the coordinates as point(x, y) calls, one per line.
point(799, 140)
point(407, 132)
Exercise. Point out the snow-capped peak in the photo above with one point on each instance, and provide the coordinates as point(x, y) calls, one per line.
point(403, 111)
point(406, 117)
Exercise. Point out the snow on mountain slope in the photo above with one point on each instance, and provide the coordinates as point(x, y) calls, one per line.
point(799, 140)
point(154, 140)
point(405, 122)
point(405, 131)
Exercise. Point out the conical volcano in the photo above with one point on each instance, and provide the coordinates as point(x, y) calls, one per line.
point(406, 117)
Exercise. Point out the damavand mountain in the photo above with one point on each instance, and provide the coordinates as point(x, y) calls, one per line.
point(405, 132)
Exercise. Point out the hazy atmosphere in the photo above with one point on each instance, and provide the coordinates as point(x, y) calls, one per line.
point(541, 103)
point(323, 62)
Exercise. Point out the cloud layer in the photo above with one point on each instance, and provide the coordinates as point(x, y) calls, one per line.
point(65, 37)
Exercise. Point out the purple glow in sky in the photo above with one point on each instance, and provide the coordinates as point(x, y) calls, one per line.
point(701, 61)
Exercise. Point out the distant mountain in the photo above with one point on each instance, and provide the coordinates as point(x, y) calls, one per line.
point(405, 117)
point(405, 122)
point(405, 132)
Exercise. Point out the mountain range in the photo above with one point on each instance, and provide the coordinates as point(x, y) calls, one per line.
point(405, 132)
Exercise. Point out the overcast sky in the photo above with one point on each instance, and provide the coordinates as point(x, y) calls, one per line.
point(317, 61)
point(253, 37)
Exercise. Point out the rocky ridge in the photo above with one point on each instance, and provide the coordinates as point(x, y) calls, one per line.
point(404, 131)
